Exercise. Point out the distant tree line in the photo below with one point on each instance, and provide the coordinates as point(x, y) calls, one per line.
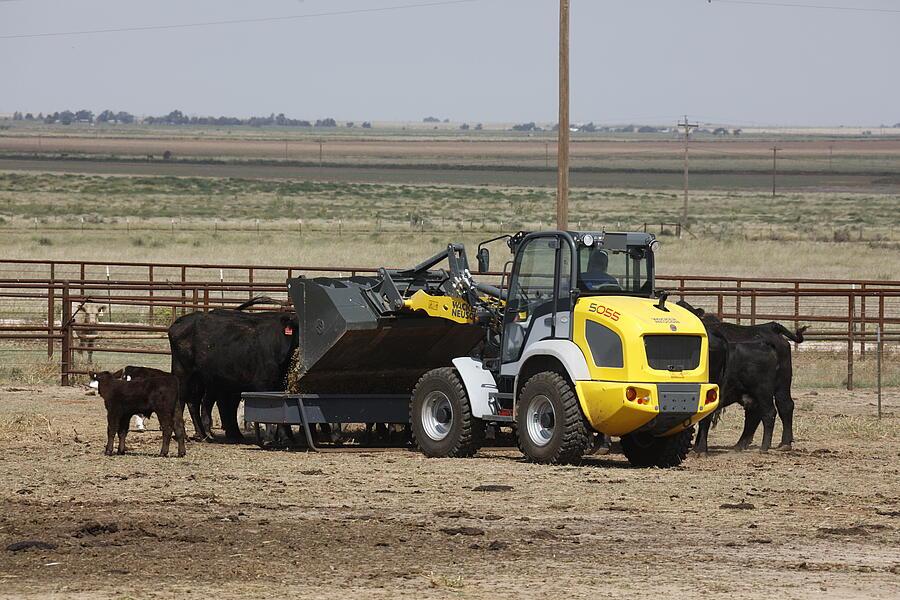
point(176, 117)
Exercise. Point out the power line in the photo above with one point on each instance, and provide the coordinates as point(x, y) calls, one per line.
point(238, 21)
point(813, 6)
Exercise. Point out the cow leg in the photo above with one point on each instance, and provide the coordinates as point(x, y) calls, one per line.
point(228, 405)
point(112, 428)
point(337, 436)
point(200, 434)
point(180, 434)
point(190, 393)
point(206, 406)
point(751, 422)
point(768, 422)
point(785, 405)
point(165, 424)
point(407, 434)
point(367, 436)
point(284, 435)
point(701, 445)
point(124, 420)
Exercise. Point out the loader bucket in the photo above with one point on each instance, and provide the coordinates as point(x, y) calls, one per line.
point(350, 342)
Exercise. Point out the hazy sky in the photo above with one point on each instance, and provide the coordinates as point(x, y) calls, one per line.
point(488, 60)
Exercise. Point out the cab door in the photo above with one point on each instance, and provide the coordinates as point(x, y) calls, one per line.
point(539, 300)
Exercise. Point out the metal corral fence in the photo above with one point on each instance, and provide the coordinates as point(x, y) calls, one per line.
point(54, 315)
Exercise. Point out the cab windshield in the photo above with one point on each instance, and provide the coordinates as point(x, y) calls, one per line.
point(608, 271)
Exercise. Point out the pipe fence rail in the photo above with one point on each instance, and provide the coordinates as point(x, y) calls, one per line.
point(58, 314)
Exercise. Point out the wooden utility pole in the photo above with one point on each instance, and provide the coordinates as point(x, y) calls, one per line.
point(774, 167)
point(687, 136)
point(562, 178)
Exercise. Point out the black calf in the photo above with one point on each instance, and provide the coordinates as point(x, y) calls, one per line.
point(124, 399)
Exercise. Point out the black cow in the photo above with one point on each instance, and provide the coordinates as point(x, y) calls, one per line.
point(725, 338)
point(776, 336)
point(748, 378)
point(124, 399)
point(225, 352)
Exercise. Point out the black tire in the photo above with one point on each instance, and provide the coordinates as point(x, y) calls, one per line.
point(455, 433)
point(644, 450)
point(568, 436)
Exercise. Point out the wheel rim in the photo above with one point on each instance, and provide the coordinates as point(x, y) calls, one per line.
point(437, 415)
point(541, 421)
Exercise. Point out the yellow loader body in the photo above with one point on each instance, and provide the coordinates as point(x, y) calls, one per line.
point(657, 381)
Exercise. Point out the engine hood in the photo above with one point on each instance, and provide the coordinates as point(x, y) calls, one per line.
point(648, 353)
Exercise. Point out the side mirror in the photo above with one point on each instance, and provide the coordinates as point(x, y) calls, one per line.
point(484, 260)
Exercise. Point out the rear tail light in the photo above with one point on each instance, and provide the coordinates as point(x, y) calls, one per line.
point(712, 395)
point(630, 394)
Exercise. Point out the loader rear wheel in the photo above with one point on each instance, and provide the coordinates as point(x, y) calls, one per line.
point(441, 417)
point(644, 450)
point(549, 423)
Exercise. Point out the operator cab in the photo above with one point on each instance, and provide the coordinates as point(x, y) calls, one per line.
point(613, 264)
point(551, 270)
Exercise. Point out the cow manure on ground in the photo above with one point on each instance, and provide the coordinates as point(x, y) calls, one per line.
point(95, 528)
point(887, 513)
point(738, 506)
point(492, 487)
point(854, 530)
point(30, 545)
point(313, 472)
point(453, 514)
point(470, 531)
point(497, 545)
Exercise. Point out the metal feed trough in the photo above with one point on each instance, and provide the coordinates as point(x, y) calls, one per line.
point(360, 354)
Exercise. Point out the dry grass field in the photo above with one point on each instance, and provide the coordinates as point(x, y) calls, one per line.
point(231, 521)
point(262, 221)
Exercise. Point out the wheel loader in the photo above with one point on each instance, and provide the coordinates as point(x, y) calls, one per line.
point(574, 342)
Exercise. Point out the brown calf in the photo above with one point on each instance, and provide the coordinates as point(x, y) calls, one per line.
point(124, 399)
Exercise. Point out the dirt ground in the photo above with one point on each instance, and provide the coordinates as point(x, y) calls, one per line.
point(228, 521)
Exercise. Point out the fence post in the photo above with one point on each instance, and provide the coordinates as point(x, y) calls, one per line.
point(82, 278)
point(206, 298)
point(183, 290)
point(862, 323)
point(682, 289)
point(796, 310)
point(850, 311)
point(250, 280)
point(753, 307)
point(880, 351)
point(721, 305)
point(51, 309)
point(737, 303)
point(66, 346)
point(150, 273)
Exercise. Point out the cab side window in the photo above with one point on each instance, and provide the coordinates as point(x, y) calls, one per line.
point(531, 289)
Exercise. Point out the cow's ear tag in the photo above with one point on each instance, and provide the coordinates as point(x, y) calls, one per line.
point(288, 330)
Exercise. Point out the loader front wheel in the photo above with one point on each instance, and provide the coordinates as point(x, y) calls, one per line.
point(644, 450)
point(441, 417)
point(549, 422)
